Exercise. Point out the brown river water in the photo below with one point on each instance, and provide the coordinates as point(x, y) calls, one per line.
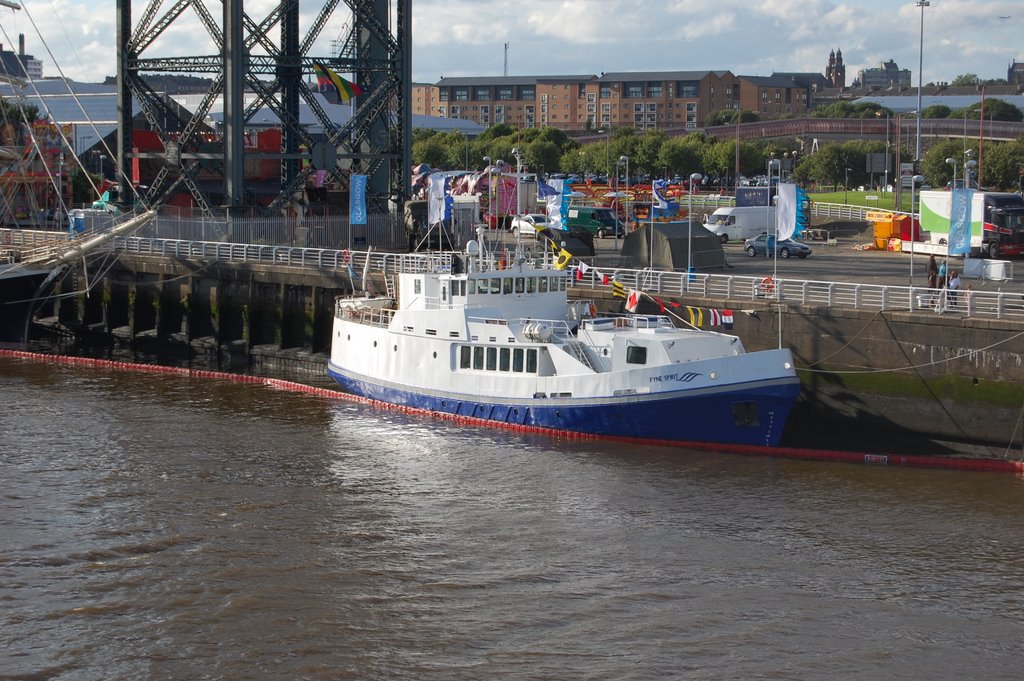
point(164, 527)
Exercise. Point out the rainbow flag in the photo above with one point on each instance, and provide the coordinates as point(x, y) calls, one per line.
point(345, 90)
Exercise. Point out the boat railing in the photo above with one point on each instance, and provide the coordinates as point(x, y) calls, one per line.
point(623, 320)
point(370, 316)
point(559, 328)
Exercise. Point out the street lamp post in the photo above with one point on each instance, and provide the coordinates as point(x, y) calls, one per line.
point(846, 188)
point(920, 78)
point(969, 166)
point(774, 164)
point(518, 154)
point(695, 177)
point(625, 159)
point(952, 162)
point(490, 186)
point(465, 137)
point(915, 182)
point(607, 154)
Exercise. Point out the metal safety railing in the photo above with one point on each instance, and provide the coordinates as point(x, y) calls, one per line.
point(840, 294)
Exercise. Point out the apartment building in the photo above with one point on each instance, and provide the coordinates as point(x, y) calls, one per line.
point(643, 100)
point(774, 95)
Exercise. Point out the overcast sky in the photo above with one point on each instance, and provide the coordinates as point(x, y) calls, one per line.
point(571, 37)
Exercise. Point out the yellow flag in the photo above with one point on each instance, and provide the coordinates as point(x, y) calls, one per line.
point(564, 257)
point(618, 289)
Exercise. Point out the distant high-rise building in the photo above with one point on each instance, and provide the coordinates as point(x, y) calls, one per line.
point(18, 64)
point(835, 72)
point(887, 75)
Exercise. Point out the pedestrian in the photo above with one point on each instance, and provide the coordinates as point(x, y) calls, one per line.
point(954, 287)
point(933, 272)
point(942, 270)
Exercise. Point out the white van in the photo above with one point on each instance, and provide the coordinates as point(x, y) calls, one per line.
point(733, 223)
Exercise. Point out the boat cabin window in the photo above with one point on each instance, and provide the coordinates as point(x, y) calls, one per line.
point(492, 358)
point(472, 287)
point(543, 284)
point(508, 285)
point(495, 285)
point(520, 285)
point(636, 354)
point(531, 284)
point(418, 287)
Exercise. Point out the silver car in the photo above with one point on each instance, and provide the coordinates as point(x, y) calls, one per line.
point(785, 247)
point(529, 225)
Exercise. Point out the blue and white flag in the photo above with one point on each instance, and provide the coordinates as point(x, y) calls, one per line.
point(785, 211)
point(553, 203)
point(544, 190)
point(357, 200)
point(960, 222)
point(802, 219)
point(439, 198)
point(659, 200)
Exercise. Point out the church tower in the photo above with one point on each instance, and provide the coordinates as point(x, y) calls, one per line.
point(839, 73)
point(835, 72)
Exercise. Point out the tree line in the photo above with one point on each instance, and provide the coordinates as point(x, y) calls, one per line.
point(653, 154)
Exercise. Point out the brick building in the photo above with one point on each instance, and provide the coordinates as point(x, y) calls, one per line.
point(643, 100)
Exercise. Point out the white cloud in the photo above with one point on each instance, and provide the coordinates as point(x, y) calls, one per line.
point(466, 37)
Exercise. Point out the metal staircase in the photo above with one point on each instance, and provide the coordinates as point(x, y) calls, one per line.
point(578, 350)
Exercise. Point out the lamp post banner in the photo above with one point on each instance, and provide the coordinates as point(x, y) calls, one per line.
point(785, 211)
point(960, 222)
point(357, 200)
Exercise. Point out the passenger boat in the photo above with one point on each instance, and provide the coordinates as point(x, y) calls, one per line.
point(496, 338)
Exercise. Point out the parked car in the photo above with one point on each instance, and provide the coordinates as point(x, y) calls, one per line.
point(597, 220)
point(758, 245)
point(529, 225)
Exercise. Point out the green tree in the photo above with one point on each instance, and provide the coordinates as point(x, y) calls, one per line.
point(995, 110)
point(936, 171)
point(829, 166)
point(542, 154)
point(432, 151)
point(936, 111)
point(680, 156)
point(646, 152)
point(965, 79)
point(16, 112)
point(728, 117)
point(1003, 165)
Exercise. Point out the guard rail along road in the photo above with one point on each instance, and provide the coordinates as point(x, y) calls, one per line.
point(860, 296)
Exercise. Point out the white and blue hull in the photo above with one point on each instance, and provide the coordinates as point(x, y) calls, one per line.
point(685, 416)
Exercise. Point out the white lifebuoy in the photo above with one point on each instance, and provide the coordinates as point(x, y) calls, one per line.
point(767, 286)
